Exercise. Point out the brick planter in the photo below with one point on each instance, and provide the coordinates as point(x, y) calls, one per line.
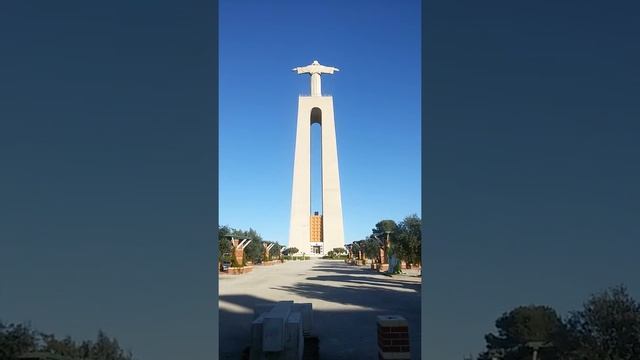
point(393, 337)
point(271, 262)
point(239, 270)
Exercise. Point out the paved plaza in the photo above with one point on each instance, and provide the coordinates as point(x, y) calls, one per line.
point(346, 300)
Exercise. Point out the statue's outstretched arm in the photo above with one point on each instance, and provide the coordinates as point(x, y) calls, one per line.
point(328, 69)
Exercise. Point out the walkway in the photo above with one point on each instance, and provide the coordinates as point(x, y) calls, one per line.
point(346, 300)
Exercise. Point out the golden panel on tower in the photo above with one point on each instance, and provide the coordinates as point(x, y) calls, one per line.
point(316, 228)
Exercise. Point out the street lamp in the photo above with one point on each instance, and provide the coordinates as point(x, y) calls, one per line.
point(387, 244)
point(535, 346)
point(496, 354)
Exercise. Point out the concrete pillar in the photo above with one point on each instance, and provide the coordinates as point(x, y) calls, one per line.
point(294, 339)
point(255, 352)
point(278, 330)
point(273, 328)
point(305, 309)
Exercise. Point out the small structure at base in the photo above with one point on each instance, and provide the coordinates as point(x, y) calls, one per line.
point(393, 337)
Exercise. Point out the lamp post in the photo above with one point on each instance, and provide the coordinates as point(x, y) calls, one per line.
point(537, 345)
point(496, 354)
point(387, 245)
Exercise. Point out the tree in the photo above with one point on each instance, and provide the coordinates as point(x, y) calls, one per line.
point(291, 250)
point(384, 226)
point(371, 248)
point(386, 229)
point(254, 250)
point(224, 245)
point(520, 327)
point(331, 254)
point(15, 340)
point(407, 242)
point(106, 348)
point(275, 250)
point(608, 327)
point(64, 347)
point(339, 251)
point(355, 249)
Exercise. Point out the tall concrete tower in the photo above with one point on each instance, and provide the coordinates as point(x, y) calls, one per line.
point(316, 109)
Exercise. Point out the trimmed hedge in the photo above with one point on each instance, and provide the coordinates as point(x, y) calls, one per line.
point(339, 257)
point(289, 257)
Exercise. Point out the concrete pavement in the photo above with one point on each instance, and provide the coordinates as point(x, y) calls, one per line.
point(346, 300)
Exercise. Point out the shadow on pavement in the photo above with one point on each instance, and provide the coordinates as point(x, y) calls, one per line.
point(343, 333)
point(395, 283)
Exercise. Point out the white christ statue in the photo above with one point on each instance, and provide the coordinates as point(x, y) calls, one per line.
point(315, 69)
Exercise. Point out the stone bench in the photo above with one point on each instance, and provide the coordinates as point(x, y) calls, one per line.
point(278, 330)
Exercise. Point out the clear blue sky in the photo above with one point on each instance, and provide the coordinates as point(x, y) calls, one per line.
point(376, 46)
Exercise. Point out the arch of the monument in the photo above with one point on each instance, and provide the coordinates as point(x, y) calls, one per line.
point(316, 116)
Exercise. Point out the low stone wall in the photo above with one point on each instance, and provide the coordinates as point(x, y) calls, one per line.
point(404, 265)
point(357, 262)
point(239, 270)
point(271, 262)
